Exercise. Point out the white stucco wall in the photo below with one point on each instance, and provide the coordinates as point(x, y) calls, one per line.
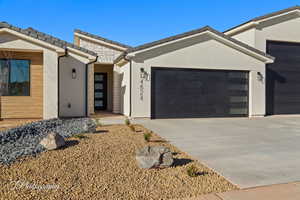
point(50, 85)
point(278, 30)
point(122, 89)
point(72, 96)
point(247, 37)
point(50, 98)
point(198, 53)
point(284, 29)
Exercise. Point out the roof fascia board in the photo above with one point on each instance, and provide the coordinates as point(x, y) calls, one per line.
point(100, 42)
point(214, 35)
point(23, 36)
point(254, 23)
point(80, 53)
point(276, 16)
point(166, 43)
point(242, 49)
point(242, 28)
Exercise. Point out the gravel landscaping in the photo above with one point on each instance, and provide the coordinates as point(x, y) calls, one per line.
point(102, 165)
point(24, 140)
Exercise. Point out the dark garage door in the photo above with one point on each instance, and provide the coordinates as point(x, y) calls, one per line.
point(283, 79)
point(189, 93)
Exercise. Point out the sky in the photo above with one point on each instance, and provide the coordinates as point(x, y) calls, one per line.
point(133, 22)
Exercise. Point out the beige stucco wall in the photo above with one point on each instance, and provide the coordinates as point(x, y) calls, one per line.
point(122, 89)
point(284, 29)
point(280, 31)
point(247, 37)
point(9, 41)
point(72, 91)
point(198, 53)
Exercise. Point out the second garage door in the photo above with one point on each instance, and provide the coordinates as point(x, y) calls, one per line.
point(283, 79)
point(190, 93)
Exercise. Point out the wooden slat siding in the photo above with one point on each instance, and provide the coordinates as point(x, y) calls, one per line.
point(22, 107)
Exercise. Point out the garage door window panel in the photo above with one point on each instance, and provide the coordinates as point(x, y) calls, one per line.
point(198, 93)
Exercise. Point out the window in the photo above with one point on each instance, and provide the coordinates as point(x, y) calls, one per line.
point(14, 77)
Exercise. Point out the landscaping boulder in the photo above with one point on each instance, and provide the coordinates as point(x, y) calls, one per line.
point(154, 157)
point(53, 141)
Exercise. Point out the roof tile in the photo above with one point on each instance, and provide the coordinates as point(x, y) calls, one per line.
point(101, 38)
point(45, 38)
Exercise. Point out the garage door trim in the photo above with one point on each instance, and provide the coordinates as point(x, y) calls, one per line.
point(155, 68)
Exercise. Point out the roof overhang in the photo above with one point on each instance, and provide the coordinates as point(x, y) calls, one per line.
point(33, 40)
point(101, 42)
point(257, 21)
point(125, 57)
point(60, 51)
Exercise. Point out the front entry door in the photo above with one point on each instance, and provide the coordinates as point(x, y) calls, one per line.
point(100, 91)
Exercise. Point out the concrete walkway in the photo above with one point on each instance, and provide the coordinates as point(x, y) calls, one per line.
point(247, 152)
point(289, 191)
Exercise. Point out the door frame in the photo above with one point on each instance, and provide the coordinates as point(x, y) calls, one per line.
point(105, 82)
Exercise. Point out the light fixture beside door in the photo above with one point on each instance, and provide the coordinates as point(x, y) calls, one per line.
point(74, 75)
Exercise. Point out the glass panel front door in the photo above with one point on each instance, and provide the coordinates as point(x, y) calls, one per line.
point(100, 91)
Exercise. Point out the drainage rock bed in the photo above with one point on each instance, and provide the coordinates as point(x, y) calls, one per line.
point(24, 140)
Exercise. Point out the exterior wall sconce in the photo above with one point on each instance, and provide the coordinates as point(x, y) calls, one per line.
point(260, 77)
point(74, 73)
point(144, 74)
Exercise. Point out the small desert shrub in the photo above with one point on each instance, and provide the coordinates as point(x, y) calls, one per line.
point(192, 171)
point(127, 122)
point(131, 126)
point(147, 136)
point(98, 122)
point(79, 136)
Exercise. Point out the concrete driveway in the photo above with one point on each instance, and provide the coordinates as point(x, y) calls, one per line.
point(248, 152)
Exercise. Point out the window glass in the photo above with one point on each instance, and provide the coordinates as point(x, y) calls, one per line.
point(19, 78)
point(14, 77)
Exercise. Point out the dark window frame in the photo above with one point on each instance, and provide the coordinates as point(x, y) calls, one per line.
point(29, 76)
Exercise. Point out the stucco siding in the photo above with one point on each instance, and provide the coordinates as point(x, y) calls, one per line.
point(124, 87)
point(284, 29)
point(72, 94)
point(279, 30)
point(50, 85)
point(248, 37)
point(200, 53)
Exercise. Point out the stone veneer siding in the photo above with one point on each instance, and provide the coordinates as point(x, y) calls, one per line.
point(105, 54)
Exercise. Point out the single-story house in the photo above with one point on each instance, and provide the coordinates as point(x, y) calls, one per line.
point(248, 71)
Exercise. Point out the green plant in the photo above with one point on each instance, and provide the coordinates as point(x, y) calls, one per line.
point(147, 136)
point(131, 126)
point(192, 171)
point(98, 122)
point(79, 136)
point(127, 122)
